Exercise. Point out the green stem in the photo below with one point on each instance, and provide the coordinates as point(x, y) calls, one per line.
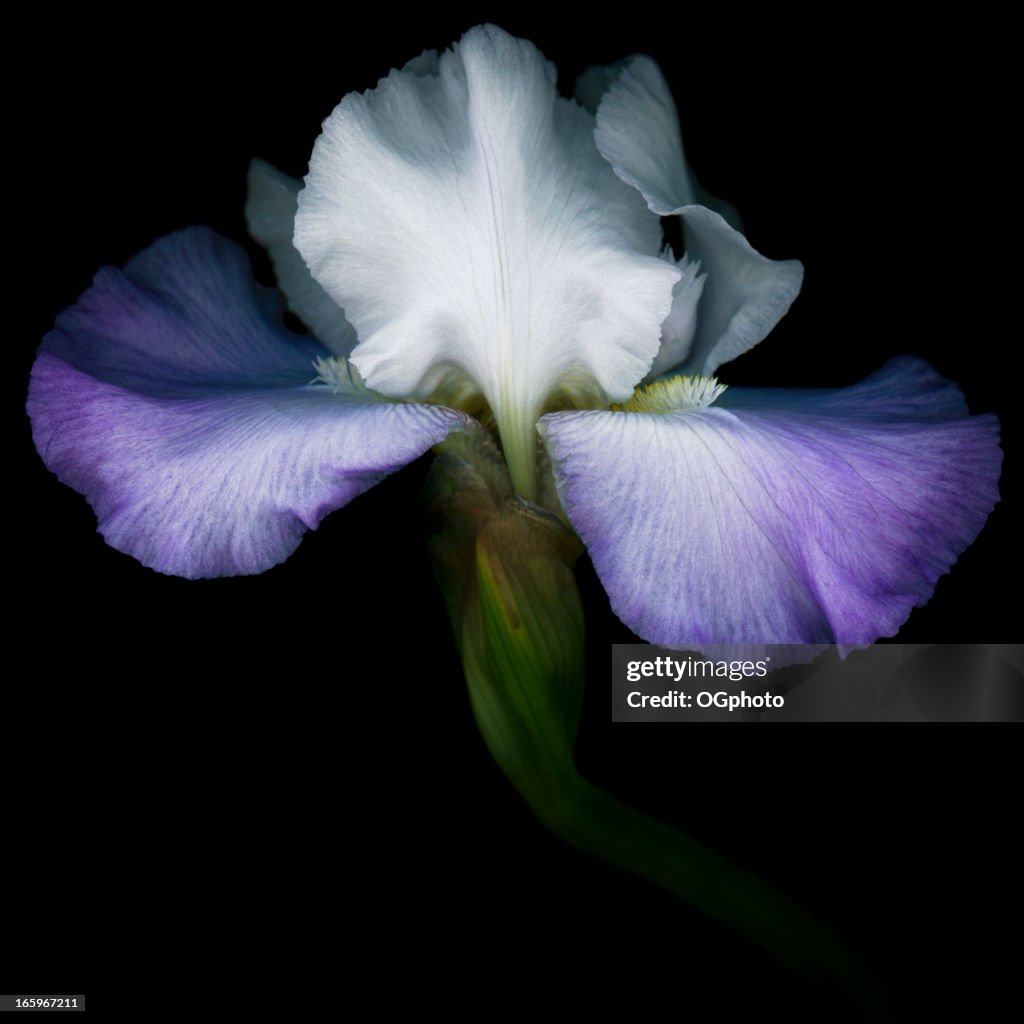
point(506, 570)
point(597, 823)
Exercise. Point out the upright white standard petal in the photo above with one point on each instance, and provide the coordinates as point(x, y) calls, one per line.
point(481, 246)
point(270, 212)
point(638, 133)
point(745, 296)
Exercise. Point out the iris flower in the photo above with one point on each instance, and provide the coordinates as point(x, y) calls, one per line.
point(474, 253)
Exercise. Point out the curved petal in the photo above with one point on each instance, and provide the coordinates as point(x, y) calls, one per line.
point(678, 330)
point(183, 313)
point(744, 297)
point(170, 399)
point(638, 134)
point(906, 388)
point(746, 294)
point(817, 518)
point(270, 213)
point(477, 239)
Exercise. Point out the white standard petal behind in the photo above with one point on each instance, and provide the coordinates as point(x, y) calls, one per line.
point(481, 246)
point(744, 294)
point(270, 212)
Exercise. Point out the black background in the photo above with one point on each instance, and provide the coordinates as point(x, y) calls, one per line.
point(276, 781)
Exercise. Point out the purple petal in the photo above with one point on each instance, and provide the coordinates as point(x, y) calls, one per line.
point(905, 388)
point(174, 403)
point(183, 313)
point(820, 517)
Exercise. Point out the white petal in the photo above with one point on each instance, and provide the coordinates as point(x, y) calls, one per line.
point(270, 212)
point(638, 133)
point(678, 330)
point(478, 241)
point(745, 295)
